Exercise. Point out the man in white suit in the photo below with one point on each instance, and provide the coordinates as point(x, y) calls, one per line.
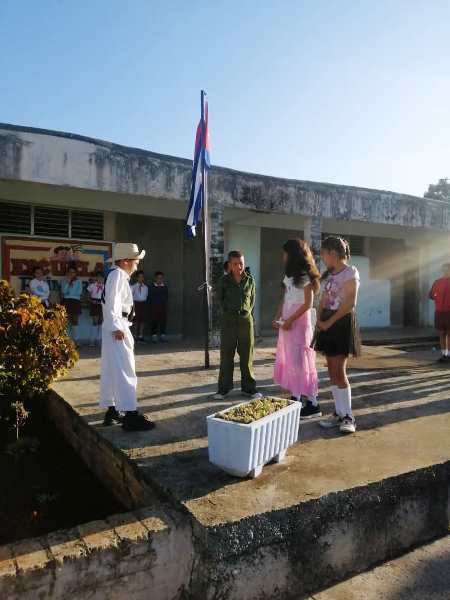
point(118, 379)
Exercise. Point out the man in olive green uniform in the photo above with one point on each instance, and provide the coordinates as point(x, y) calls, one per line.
point(235, 293)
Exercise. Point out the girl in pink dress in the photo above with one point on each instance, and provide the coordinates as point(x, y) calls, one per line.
point(295, 365)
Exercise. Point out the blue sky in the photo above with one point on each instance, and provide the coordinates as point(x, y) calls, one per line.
point(345, 91)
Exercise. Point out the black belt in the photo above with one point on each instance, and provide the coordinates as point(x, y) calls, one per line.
point(129, 316)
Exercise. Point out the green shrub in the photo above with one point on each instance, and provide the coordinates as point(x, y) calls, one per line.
point(252, 411)
point(34, 348)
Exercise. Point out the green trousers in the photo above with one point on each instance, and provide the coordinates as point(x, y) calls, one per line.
point(237, 334)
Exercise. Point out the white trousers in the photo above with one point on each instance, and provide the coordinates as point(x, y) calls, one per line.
point(118, 381)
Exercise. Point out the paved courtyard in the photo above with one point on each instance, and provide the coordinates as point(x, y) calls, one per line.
point(401, 400)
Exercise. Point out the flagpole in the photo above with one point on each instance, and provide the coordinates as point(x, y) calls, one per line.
point(205, 221)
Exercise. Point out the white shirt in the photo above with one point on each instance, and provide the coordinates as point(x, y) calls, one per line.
point(40, 289)
point(95, 290)
point(140, 292)
point(118, 300)
point(293, 294)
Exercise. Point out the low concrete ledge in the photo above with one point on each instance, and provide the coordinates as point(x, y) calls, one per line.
point(316, 543)
point(119, 475)
point(129, 555)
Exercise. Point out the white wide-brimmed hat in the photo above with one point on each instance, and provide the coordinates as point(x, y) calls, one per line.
point(127, 251)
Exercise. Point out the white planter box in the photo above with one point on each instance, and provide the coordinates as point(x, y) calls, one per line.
point(243, 449)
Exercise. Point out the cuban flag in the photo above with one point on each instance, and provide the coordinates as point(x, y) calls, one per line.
point(201, 164)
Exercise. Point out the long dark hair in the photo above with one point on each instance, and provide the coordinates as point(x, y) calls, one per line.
point(300, 263)
point(335, 243)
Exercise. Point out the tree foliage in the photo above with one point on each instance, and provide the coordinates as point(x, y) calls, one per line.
point(439, 190)
point(34, 347)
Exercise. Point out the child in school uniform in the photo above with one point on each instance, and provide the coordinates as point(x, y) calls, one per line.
point(140, 296)
point(295, 364)
point(39, 287)
point(440, 294)
point(95, 291)
point(71, 290)
point(337, 329)
point(159, 299)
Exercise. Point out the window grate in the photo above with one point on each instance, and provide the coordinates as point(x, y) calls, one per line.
point(356, 243)
point(47, 221)
point(15, 218)
point(53, 222)
point(87, 225)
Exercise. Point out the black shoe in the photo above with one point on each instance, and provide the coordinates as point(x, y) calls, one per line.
point(112, 416)
point(135, 421)
point(444, 359)
point(310, 411)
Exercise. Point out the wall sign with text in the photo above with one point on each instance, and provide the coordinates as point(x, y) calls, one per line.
point(21, 255)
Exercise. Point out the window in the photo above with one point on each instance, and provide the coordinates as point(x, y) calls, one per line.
point(87, 224)
point(49, 221)
point(356, 243)
point(15, 217)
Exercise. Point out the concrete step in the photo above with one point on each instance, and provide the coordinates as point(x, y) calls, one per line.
point(423, 574)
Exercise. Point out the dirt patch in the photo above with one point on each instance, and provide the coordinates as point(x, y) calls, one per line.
point(45, 486)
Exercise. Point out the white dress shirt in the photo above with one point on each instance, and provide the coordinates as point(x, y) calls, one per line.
point(40, 289)
point(140, 292)
point(118, 300)
point(96, 290)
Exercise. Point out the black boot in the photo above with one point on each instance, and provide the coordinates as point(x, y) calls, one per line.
point(112, 416)
point(135, 421)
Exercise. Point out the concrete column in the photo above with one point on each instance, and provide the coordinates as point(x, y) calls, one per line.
point(216, 259)
point(110, 226)
point(313, 236)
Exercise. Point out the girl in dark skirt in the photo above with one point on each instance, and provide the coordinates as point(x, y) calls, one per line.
point(337, 334)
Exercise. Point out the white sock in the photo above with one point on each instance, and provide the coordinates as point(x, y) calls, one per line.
point(337, 403)
point(444, 352)
point(313, 400)
point(345, 396)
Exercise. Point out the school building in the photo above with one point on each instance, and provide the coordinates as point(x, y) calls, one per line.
point(68, 196)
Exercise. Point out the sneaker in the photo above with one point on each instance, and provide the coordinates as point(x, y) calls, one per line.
point(348, 425)
point(309, 411)
point(112, 416)
point(135, 421)
point(333, 420)
point(220, 396)
point(155, 339)
point(253, 395)
point(444, 359)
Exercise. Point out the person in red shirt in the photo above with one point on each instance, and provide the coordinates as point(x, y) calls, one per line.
point(440, 294)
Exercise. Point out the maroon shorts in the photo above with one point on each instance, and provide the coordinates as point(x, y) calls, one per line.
point(95, 310)
point(73, 308)
point(442, 320)
point(140, 312)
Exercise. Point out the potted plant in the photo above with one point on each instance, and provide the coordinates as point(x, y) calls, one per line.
point(243, 438)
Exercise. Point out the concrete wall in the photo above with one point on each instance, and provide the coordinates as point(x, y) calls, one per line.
point(63, 159)
point(374, 301)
